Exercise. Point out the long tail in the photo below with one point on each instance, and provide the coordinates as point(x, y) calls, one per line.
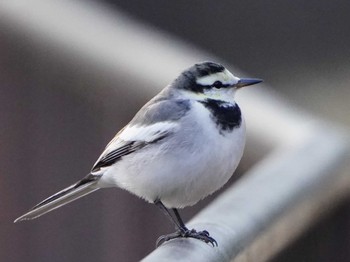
point(65, 196)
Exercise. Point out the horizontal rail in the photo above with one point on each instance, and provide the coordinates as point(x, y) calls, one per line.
point(303, 174)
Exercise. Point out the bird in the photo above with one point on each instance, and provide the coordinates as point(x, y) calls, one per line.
point(181, 146)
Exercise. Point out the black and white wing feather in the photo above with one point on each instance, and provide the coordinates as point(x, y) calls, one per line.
point(125, 148)
point(154, 122)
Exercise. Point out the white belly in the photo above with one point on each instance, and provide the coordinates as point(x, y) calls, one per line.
point(182, 170)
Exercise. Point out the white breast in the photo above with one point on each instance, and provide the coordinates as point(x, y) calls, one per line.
point(181, 170)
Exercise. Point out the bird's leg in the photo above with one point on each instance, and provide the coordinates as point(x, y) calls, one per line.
point(182, 231)
point(179, 219)
point(178, 224)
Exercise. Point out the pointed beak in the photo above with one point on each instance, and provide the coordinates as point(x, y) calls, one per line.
point(247, 82)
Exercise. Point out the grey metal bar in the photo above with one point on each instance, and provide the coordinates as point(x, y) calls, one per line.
point(274, 202)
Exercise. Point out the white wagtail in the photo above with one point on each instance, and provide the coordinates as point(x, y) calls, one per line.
point(182, 146)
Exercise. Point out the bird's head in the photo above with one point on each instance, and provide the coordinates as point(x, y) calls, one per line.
point(210, 80)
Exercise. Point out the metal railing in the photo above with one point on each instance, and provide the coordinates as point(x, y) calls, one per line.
point(303, 175)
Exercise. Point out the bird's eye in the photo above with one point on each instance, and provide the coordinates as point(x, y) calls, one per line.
point(217, 84)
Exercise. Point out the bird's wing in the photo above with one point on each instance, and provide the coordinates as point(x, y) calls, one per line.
point(125, 148)
point(131, 139)
point(154, 122)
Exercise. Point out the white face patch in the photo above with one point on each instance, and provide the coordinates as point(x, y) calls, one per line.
point(225, 77)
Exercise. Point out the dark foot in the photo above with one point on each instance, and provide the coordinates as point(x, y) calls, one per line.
point(201, 235)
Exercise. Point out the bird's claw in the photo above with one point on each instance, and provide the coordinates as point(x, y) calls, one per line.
point(201, 235)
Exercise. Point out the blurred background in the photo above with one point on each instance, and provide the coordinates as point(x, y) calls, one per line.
point(51, 135)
